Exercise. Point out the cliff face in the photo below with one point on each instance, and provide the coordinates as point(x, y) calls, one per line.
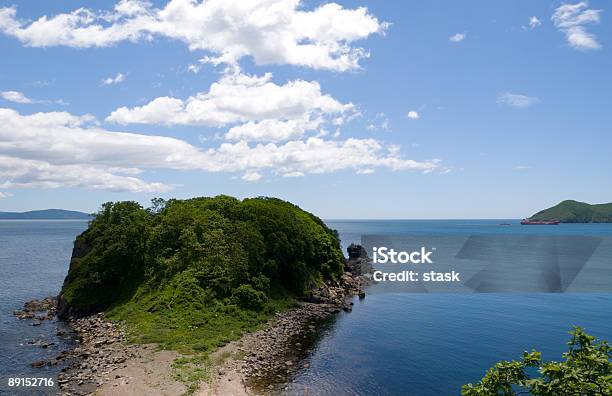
point(576, 212)
point(81, 248)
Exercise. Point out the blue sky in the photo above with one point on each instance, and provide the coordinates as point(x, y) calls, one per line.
point(461, 110)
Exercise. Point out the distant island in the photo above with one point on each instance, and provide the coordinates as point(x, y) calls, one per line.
point(576, 212)
point(47, 214)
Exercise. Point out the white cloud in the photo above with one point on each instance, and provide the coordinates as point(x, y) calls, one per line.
point(251, 176)
point(272, 130)
point(534, 22)
point(255, 107)
point(270, 31)
point(413, 115)
point(58, 149)
point(457, 37)
point(21, 98)
point(119, 78)
point(571, 19)
point(30, 173)
point(5, 195)
point(522, 167)
point(16, 97)
point(517, 100)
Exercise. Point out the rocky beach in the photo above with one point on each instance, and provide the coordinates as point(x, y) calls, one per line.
point(261, 362)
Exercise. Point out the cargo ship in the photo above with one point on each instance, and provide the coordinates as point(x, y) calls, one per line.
point(539, 222)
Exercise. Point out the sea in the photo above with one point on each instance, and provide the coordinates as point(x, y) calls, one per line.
point(34, 259)
point(418, 344)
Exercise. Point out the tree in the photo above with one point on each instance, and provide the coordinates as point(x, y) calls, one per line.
point(586, 370)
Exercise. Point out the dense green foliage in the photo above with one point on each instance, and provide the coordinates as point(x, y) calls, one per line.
point(193, 274)
point(585, 370)
point(576, 212)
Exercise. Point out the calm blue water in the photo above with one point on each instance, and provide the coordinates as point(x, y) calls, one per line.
point(431, 344)
point(34, 258)
point(396, 344)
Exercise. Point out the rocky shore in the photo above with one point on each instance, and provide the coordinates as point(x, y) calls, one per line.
point(38, 310)
point(272, 355)
point(100, 349)
point(263, 361)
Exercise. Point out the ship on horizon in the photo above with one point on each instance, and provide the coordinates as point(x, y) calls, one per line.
point(539, 222)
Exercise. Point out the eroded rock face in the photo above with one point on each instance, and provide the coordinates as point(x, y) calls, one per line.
point(81, 248)
point(65, 311)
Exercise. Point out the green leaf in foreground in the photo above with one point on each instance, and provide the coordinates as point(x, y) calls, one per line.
point(585, 370)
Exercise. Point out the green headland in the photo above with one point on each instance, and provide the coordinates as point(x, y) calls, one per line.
point(192, 275)
point(576, 212)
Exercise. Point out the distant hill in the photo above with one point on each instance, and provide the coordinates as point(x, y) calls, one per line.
point(576, 212)
point(47, 214)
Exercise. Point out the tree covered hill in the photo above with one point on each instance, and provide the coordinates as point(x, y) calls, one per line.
point(576, 212)
point(197, 272)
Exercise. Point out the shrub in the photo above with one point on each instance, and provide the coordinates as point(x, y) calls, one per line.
point(586, 370)
point(249, 298)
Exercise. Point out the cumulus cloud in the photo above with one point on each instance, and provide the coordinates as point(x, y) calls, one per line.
point(252, 176)
point(571, 19)
point(254, 106)
point(58, 149)
point(270, 31)
point(457, 37)
point(119, 78)
point(16, 97)
point(413, 115)
point(534, 22)
point(517, 100)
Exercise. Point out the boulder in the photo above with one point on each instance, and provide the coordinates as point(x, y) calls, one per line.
point(358, 262)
